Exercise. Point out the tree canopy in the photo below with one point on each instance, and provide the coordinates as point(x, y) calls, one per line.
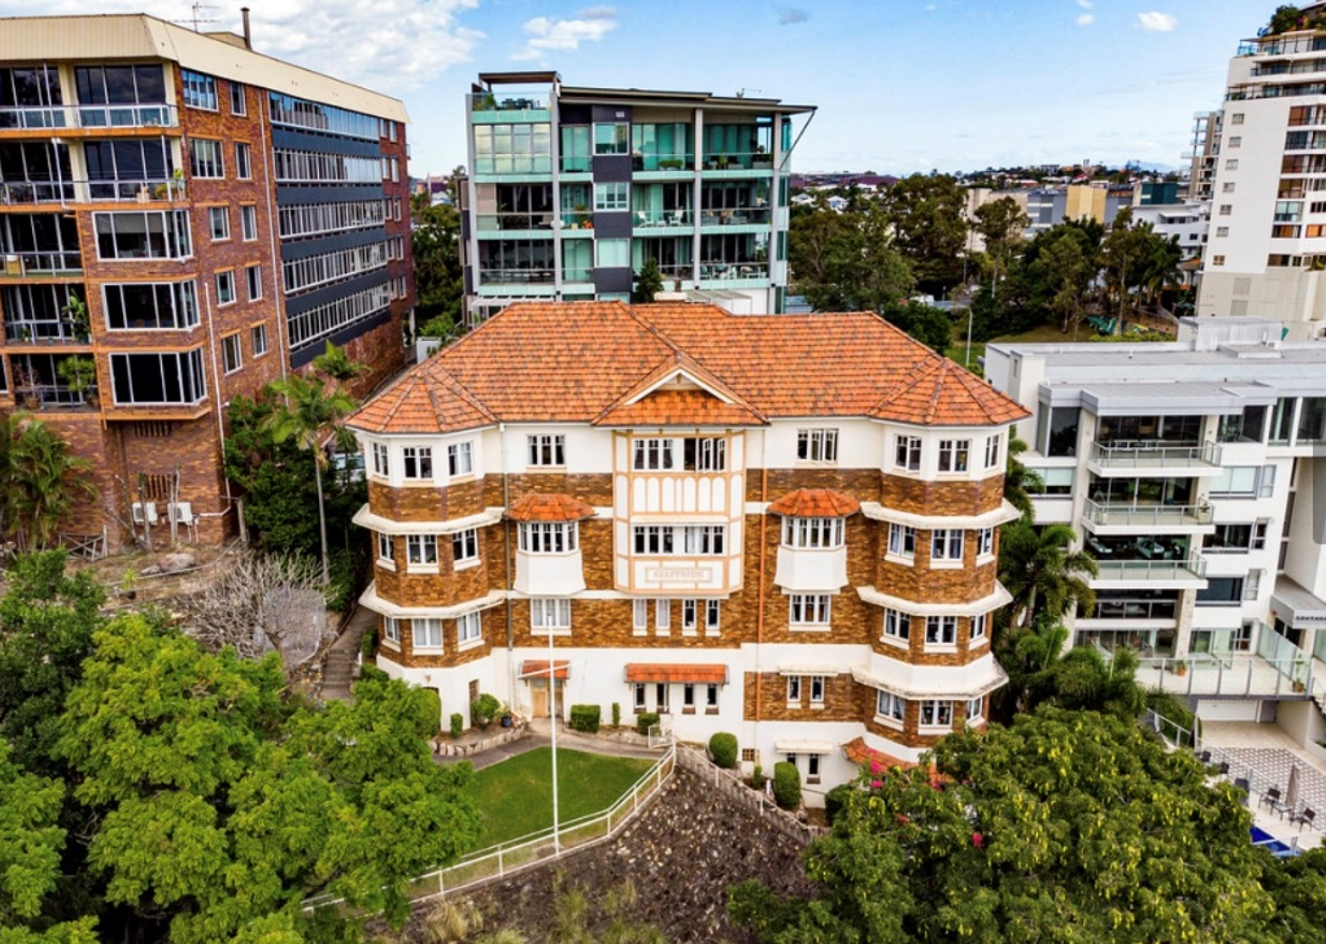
point(438, 276)
point(1065, 828)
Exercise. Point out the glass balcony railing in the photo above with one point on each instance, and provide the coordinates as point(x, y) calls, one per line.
point(512, 102)
point(89, 116)
point(23, 264)
point(578, 274)
point(84, 191)
point(739, 160)
point(540, 276)
point(495, 222)
point(1154, 455)
point(43, 331)
point(736, 216)
point(1133, 610)
point(1146, 516)
point(663, 162)
point(1143, 571)
point(677, 270)
point(732, 271)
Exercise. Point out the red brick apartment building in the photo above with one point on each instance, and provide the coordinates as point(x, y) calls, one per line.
point(783, 526)
point(221, 213)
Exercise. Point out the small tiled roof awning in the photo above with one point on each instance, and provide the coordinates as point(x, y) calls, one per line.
point(857, 751)
point(549, 507)
point(538, 668)
point(815, 503)
point(676, 672)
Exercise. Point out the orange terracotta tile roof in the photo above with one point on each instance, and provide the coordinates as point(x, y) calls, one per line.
point(538, 668)
point(675, 672)
point(536, 506)
point(858, 752)
point(815, 503)
point(586, 361)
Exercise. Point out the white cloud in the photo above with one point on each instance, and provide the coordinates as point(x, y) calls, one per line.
point(1086, 19)
point(1085, 4)
point(388, 45)
point(546, 34)
point(1157, 22)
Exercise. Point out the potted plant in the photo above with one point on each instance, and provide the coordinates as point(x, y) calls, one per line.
point(75, 309)
point(1180, 667)
point(179, 181)
point(129, 584)
point(761, 159)
point(506, 719)
point(80, 375)
point(160, 191)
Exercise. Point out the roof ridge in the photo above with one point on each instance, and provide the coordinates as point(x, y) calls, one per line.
point(466, 393)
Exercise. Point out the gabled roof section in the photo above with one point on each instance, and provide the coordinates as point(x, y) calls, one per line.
point(815, 503)
point(549, 506)
point(671, 364)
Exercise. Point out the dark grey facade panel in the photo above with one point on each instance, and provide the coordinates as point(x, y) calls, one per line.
point(612, 225)
point(573, 114)
point(324, 143)
point(611, 113)
point(613, 280)
point(612, 168)
point(327, 193)
point(298, 304)
point(317, 245)
point(305, 354)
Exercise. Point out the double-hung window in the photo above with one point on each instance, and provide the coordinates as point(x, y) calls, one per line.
point(427, 633)
point(704, 454)
point(465, 546)
point(991, 451)
point(813, 532)
point(809, 609)
point(935, 713)
point(218, 221)
point(225, 287)
point(712, 616)
point(946, 544)
point(555, 537)
point(640, 617)
point(460, 459)
point(421, 549)
point(232, 353)
point(897, 625)
point(253, 282)
point(237, 103)
point(941, 630)
point(547, 450)
point(975, 709)
point(380, 460)
point(418, 462)
point(984, 542)
point(639, 691)
point(384, 548)
point(978, 626)
point(907, 453)
point(243, 161)
point(817, 445)
point(469, 629)
point(662, 616)
point(794, 688)
point(953, 454)
point(391, 629)
point(549, 613)
point(248, 222)
point(902, 541)
point(889, 706)
point(817, 689)
point(689, 609)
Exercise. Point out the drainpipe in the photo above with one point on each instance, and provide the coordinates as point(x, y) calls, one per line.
point(506, 569)
point(216, 400)
point(759, 618)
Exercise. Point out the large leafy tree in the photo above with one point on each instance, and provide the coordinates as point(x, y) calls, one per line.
point(220, 804)
point(847, 261)
point(47, 619)
point(1000, 222)
point(309, 416)
point(438, 276)
point(1066, 827)
point(1020, 482)
point(929, 228)
point(1045, 576)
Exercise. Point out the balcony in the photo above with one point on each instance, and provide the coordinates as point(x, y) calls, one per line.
point(736, 216)
point(1155, 519)
point(1279, 670)
point(502, 222)
point(1154, 458)
point(663, 219)
point(43, 331)
point(63, 192)
point(738, 162)
point(734, 271)
point(88, 116)
point(49, 397)
point(22, 265)
point(540, 276)
point(1160, 574)
point(515, 108)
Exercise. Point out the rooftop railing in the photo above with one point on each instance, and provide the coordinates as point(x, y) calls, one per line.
point(89, 116)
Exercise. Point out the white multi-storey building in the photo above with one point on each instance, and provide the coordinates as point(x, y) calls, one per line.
point(1192, 471)
point(1267, 252)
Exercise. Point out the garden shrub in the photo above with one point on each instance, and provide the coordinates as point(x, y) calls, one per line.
point(787, 785)
point(723, 749)
point(483, 709)
point(585, 718)
point(369, 644)
point(643, 722)
point(757, 777)
point(836, 799)
point(341, 573)
point(457, 724)
point(616, 715)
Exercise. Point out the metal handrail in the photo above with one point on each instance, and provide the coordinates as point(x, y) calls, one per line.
point(87, 191)
point(1157, 454)
point(1156, 515)
point(1194, 564)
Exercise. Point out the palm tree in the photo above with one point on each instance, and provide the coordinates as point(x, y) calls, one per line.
point(336, 364)
point(41, 481)
point(310, 415)
point(1038, 567)
point(1020, 483)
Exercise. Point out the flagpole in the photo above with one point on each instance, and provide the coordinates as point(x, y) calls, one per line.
point(552, 714)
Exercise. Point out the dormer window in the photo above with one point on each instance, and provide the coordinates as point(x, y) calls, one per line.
point(817, 445)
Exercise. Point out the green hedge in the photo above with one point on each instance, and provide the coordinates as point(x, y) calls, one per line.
point(586, 718)
point(616, 715)
point(484, 709)
point(457, 724)
point(643, 722)
point(836, 799)
point(787, 785)
point(723, 749)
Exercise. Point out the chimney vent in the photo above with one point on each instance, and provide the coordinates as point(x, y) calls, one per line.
point(248, 33)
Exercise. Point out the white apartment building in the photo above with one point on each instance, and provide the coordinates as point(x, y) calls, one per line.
point(1192, 471)
point(1267, 253)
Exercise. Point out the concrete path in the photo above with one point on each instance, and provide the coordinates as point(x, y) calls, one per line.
point(338, 665)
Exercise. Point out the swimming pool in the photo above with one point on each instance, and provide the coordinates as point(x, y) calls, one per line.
point(1277, 847)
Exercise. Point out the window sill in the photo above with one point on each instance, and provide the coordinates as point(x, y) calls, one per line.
point(900, 560)
point(794, 706)
point(428, 650)
point(663, 633)
point(817, 706)
point(462, 479)
point(469, 644)
point(978, 642)
point(808, 628)
point(688, 711)
point(711, 711)
point(983, 559)
point(466, 564)
point(711, 634)
point(545, 633)
point(387, 565)
point(944, 563)
point(899, 470)
point(934, 729)
point(639, 632)
point(413, 483)
point(423, 569)
point(545, 468)
point(812, 781)
point(893, 723)
point(896, 642)
point(940, 647)
point(689, 632)
point(815, 464)
point(391, 644)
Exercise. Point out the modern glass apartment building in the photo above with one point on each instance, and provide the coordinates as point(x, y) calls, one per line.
point(571, 190)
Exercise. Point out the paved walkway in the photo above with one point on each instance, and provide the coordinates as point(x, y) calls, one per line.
point(540, 735)
point(338, 664)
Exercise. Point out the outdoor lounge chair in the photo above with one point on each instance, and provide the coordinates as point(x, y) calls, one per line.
point(1270, 798)
point(1304, 818)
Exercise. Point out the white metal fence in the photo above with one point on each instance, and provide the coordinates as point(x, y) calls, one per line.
point(546, 845)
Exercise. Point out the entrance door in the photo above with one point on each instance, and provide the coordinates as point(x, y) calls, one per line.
point(539, 690)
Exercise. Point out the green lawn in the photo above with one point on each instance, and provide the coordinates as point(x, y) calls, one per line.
point(958, 349)
point(515, 796)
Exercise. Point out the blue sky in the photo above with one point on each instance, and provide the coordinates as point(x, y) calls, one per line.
point(901, 85)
